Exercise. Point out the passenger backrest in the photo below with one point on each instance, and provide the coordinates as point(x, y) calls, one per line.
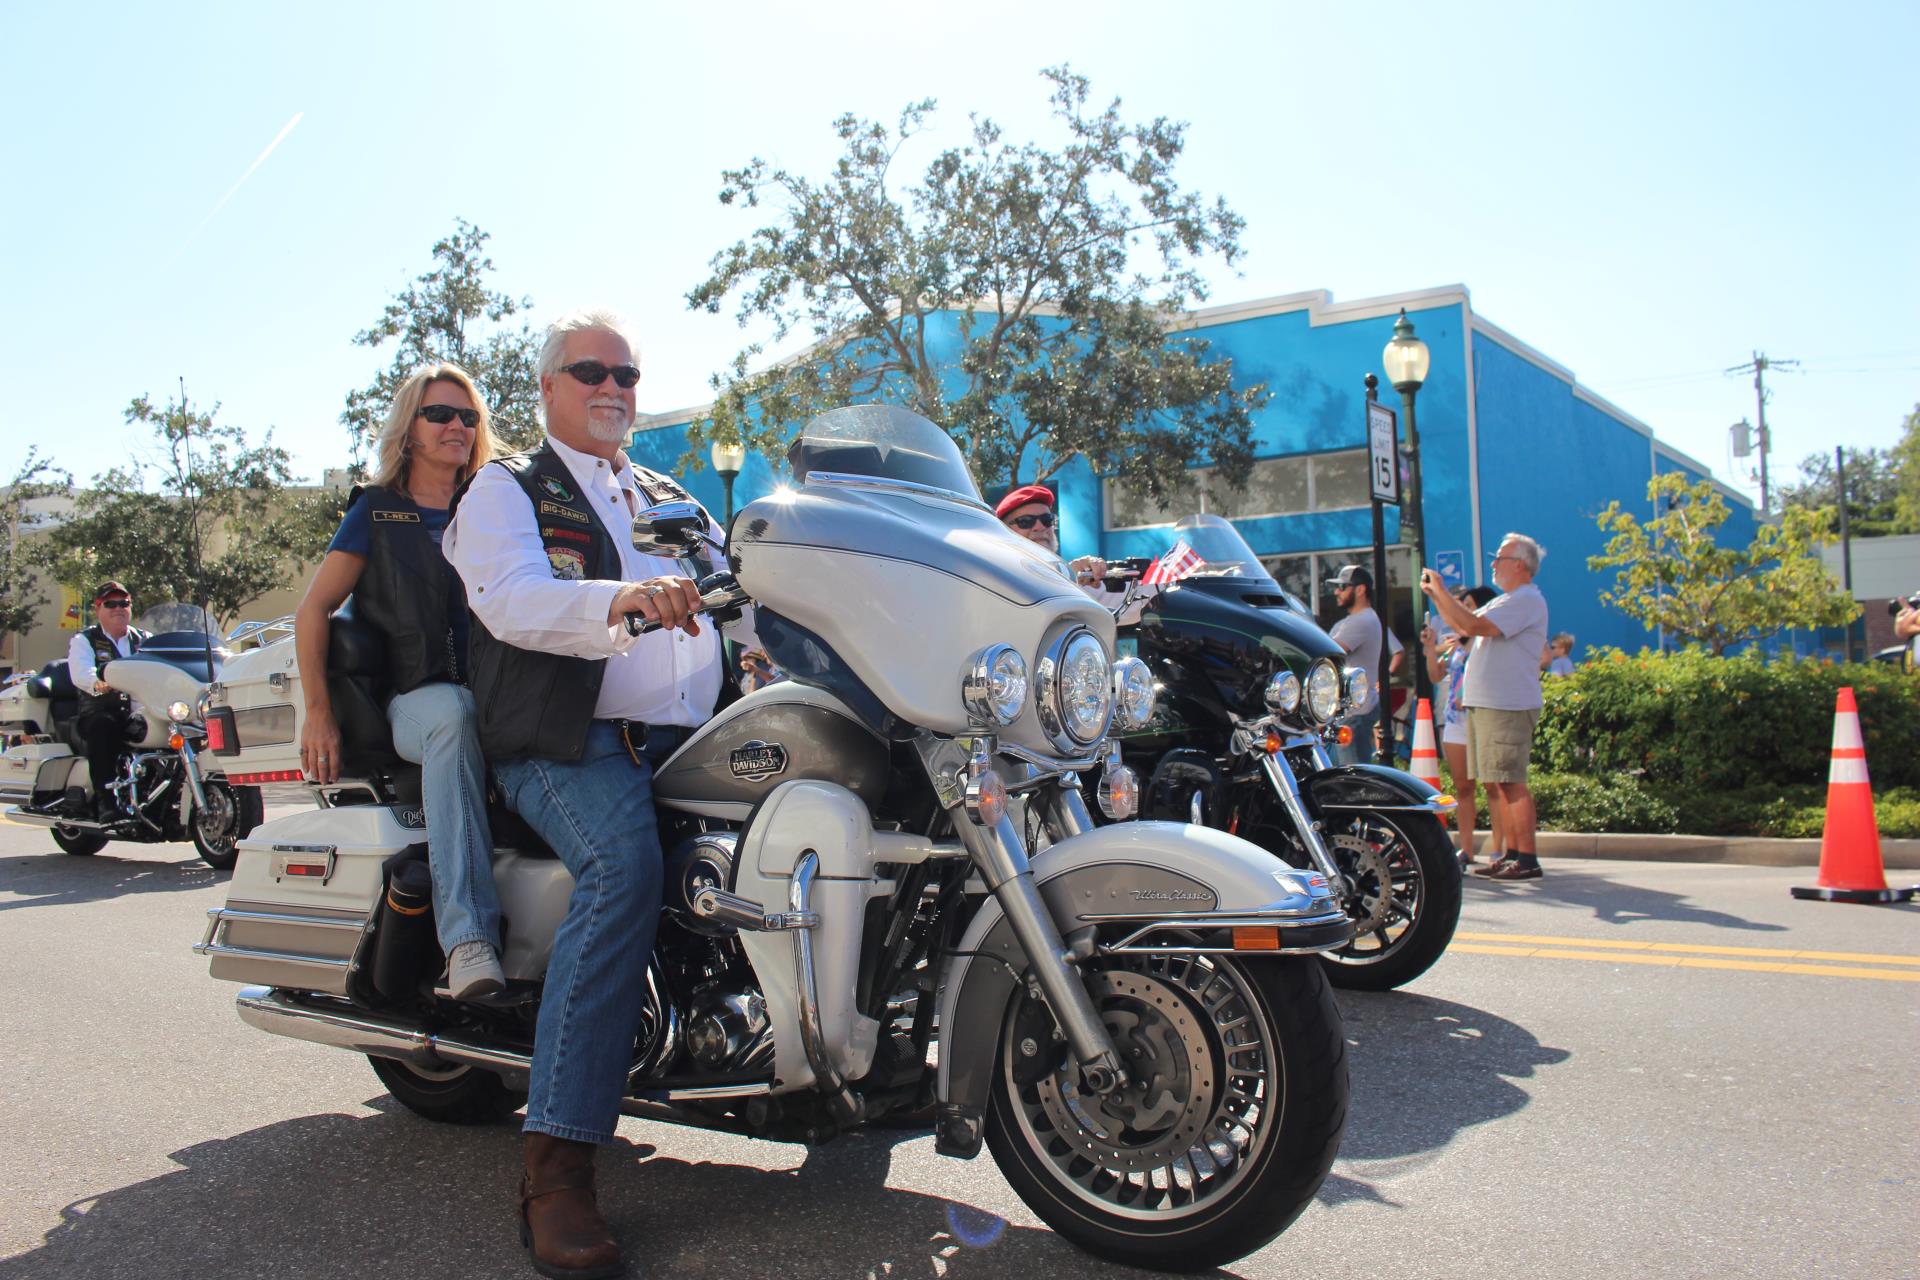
point(356, 684)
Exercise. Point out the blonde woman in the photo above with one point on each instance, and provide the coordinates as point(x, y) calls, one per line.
point(386, 555)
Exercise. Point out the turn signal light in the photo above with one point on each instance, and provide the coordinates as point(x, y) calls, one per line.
point(176, 741)
point(1273, 743)
point(1262, 937)
point(1344, 735)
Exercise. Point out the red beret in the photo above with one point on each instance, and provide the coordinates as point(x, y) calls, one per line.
point(1020, 497)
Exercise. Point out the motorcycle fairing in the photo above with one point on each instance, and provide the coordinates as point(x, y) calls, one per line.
point(1372, 786)
point(1132, 868)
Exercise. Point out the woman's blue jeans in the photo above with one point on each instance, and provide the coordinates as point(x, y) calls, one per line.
point(435, 727)
point(597, 813)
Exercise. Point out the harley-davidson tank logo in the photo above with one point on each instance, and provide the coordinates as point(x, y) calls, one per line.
point(757, 761)
point(556, 488)
point(567, 564)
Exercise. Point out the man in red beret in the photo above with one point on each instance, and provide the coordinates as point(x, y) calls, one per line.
point(1029, 512)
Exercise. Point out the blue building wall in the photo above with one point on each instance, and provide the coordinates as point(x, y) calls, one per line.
point(1549, 458)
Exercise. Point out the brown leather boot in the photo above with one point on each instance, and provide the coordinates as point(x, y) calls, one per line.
point(560, 1223)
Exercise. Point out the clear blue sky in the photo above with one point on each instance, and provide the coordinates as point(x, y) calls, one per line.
point(1645, 192)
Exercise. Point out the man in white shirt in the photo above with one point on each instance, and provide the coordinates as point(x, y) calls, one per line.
point(1359, 634)
point(574, 714)
point(105, 713)
point(1502, 692)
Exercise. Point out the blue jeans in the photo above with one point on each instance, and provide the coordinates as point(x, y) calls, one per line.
point(1360, 750)
point(435, 727)
point(597, 813)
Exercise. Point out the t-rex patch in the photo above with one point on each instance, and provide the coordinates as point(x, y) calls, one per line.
point(565, 513)
point(567, 564)
point(400, 517)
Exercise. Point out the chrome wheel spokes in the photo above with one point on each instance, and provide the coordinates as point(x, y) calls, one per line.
point(1198, 1105)
point(1388, 887)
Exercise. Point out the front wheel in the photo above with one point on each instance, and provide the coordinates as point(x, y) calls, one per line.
point(1233, 1110)
point(81, 842)
point(231, 813)
point(1405, 900)
point(452, 1095)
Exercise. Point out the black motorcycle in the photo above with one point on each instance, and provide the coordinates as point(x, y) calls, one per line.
point(1252, 692)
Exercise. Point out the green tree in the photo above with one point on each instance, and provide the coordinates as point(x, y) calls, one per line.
point(1872, 490)
point(21, 596)
point(218, 527)
point(1673, 574)
point(1906, 465)
point(1061, 271)
point(449, 313)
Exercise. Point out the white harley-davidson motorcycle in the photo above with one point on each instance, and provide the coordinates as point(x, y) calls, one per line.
point(164, 790)
point(881, 863)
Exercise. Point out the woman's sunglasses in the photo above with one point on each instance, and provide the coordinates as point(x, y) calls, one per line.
point(441, 414)
point(1044, 520)
point(593, 373)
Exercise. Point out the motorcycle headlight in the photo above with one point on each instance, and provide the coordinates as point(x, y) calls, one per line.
point(1358, 686)
point(1283, 693)
point(179, 712)
point(995, 688)
point(1075, 692)
point(1132, 693)
point(1323, 691)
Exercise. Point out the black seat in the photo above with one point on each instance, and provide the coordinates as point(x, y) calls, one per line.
point(357, 687)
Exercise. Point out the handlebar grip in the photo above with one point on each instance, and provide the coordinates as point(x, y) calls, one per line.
point(639, 624)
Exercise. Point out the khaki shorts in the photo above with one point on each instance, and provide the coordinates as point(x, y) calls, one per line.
point(1499, 743)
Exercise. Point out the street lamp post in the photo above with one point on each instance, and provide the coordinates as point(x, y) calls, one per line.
point(728, 458)
point(1405, 360)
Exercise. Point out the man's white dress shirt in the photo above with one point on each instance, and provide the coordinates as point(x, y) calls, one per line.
point(494, 544)
point(80, 663)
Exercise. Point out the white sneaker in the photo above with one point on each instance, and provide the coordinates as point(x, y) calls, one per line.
point(473, 971)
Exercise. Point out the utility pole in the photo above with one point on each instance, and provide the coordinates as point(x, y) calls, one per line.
point(1846, 536)
point(1758, 367)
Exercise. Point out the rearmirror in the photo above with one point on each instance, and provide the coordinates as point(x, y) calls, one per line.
point(676, 530)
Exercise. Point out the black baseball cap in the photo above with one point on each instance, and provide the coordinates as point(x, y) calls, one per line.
point(1351, 575)
point(108, 587)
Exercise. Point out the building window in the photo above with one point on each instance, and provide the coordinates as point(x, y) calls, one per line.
point(1288, 486)
point(1307, 576)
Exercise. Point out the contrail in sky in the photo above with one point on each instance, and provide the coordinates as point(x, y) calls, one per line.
point(258, 160)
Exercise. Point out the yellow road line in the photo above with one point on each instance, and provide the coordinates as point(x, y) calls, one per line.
point(1684, 962)
point(1618, 944)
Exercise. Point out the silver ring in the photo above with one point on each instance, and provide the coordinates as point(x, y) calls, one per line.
point(651, 592)
point(323, 757)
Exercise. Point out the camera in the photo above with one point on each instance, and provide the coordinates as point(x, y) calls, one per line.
point(1911, 602)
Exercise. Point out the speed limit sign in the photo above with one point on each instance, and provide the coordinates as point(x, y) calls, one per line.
point(1383, 454)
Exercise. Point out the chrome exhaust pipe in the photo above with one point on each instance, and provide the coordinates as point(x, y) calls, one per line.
point(29, 818)
point(341, 1026)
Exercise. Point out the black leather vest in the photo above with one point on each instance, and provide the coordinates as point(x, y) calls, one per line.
point(403, 592)
point(104, 652)
point(541, 704)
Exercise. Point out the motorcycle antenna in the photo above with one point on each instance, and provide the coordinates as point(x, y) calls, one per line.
point(193, 524)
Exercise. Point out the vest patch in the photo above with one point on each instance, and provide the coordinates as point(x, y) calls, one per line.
point(567, 564)
point(548, 533)
point(399, 517)
point(565, 513)
point(557, 488)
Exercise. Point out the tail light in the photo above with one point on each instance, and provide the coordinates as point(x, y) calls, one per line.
point(222, 739)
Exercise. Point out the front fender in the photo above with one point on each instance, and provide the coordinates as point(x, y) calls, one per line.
point(1131, 868)
point(1371, 786)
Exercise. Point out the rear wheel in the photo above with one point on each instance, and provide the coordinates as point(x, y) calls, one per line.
point(1235, 1103)
point(1405, 901)
point(231, 812)
point(451, 1095)
point(81, 842)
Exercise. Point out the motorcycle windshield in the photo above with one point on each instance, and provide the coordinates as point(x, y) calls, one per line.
point(1223, 553)
point(884, 444)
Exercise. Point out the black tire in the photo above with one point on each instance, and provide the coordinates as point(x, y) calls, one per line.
point(1276, 1019)
point(457, 1095)
point(1400, 934)
point(81, 842)
point(232, 813)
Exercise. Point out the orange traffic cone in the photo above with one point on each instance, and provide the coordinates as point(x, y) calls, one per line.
point(1426, 757)
point(1850, 866)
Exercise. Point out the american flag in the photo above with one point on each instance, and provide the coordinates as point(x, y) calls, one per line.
point(1173, 566)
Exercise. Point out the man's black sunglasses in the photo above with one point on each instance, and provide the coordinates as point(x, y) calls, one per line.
point(118, 602)
point(1044, 520)
point(593, 373)
point(441, 414)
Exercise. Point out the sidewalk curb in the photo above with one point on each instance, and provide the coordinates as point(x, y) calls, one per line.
point(1896, 855)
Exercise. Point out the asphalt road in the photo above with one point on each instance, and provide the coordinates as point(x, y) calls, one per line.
point(1622, 1069)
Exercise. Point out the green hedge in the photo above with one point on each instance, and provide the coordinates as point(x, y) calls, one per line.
point(1622, 803)
point(1690, 725)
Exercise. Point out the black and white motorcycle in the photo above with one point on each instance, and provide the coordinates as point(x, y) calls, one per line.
point(163, 791)
point(1131, 1017)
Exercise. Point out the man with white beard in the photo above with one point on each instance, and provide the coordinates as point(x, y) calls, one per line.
point(574, 715)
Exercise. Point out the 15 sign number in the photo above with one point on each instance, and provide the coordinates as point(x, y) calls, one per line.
point(1383, 455)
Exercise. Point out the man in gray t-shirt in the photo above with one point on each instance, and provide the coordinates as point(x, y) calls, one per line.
point(1359, 634)
point(1502, 692)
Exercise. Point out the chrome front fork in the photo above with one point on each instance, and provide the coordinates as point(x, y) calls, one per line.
point(1280, 774)
point(1001, 856)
